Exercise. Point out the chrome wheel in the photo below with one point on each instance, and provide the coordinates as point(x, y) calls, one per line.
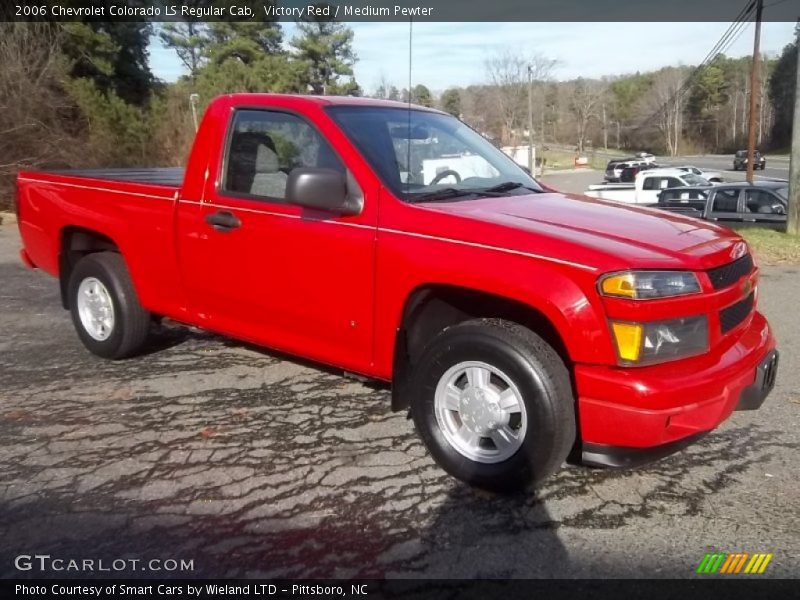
point(95, 308)
point(480, 412)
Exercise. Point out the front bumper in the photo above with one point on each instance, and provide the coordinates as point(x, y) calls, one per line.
point(633, 415)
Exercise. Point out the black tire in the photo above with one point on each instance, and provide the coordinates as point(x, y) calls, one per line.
point(131, 322)
point(542, 380)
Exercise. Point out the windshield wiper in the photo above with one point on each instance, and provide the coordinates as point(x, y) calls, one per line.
point(507, 186)
point(444, 194)
point(451, 192)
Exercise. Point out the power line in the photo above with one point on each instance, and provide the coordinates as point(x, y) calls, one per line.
point(726, 41)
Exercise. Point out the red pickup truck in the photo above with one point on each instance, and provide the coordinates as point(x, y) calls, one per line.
point(516, 324)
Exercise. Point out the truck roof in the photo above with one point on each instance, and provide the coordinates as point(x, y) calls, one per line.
point(330, 100)
point(662, 171)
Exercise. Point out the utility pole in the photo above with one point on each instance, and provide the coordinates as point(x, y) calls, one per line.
point(793, 212)
point(605, 128)
point(531, 156)
point(193, 100)
point(751, 128)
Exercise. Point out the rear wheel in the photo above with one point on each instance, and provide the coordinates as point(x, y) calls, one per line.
point(105, 308)
point(492, 402)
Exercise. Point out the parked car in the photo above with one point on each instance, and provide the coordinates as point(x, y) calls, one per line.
point(516, 324)
point(614, 167)
point(740, 161)
point(762, 203)
point(646, 157)
point(712, 176)
point(628, 174)
point(646, 186)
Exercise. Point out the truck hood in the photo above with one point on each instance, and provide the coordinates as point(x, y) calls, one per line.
point(631, 234)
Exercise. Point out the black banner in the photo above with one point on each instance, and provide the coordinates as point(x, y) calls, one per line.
point(552, 589)
point(398, 10)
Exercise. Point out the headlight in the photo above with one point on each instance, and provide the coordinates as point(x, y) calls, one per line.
point(660, 341)
point(643, 285)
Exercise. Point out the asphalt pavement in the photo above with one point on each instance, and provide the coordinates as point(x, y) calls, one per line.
point(249, 463)
point(776, 167)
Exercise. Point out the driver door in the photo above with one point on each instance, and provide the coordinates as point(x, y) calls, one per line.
point(264, 270)
point(763, 207)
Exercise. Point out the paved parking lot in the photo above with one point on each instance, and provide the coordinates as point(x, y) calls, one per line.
point(253, 464)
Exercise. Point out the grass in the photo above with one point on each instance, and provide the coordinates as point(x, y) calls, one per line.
point(772, 247)
point(557, 160)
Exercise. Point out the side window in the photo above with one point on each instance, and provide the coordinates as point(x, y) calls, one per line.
point(761, 202)
point(726, 201)
point(265, 146)
point(673, 182)
point(651, 183)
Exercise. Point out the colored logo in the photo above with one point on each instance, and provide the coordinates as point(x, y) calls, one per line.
point(731, 564)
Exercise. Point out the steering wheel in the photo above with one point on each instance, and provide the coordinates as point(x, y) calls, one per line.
point(443, 174)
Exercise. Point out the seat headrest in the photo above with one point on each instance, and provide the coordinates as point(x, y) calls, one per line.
point(255, 148)
point(266, 159)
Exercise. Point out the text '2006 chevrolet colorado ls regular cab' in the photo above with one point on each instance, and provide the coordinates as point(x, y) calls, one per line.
point(515, 323)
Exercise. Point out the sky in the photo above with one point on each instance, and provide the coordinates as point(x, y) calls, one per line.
point(453, 54)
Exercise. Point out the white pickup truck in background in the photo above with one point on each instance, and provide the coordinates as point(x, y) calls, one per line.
point(646, 186)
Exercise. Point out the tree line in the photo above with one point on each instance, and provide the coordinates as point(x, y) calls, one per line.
point(669, 111)
point(82, 94)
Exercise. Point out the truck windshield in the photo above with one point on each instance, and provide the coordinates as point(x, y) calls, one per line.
point(693, 179)
point(422, 155)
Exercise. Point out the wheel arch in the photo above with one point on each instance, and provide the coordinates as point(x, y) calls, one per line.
point(431, 308)
point(74, 243)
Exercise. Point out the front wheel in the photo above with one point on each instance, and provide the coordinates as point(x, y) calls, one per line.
point(105, 308)
point(493, 404)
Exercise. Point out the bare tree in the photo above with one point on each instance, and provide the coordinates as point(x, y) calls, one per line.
point(585, 100)
point(36, 117)
point(664, 105)
point(507, 74)
point(383, 87)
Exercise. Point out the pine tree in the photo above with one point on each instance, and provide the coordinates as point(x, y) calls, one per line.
point(189, 39)
point(421, 95)
point(243, 41)
point(112, 55)
point(326, 49)
point(451, 102)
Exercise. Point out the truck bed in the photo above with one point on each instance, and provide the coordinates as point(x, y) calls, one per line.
point(169, 176)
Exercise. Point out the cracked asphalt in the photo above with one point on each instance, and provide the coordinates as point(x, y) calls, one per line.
point(253, 464)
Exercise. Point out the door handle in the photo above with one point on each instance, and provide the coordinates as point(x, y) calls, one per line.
point(223, 221)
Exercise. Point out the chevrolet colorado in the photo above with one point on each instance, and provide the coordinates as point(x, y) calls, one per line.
point(516, 324)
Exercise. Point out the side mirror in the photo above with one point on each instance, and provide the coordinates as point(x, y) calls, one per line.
point(324, 189)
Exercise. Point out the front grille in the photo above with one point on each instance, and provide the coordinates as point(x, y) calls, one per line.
point(727, 275)
point(730, 317)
